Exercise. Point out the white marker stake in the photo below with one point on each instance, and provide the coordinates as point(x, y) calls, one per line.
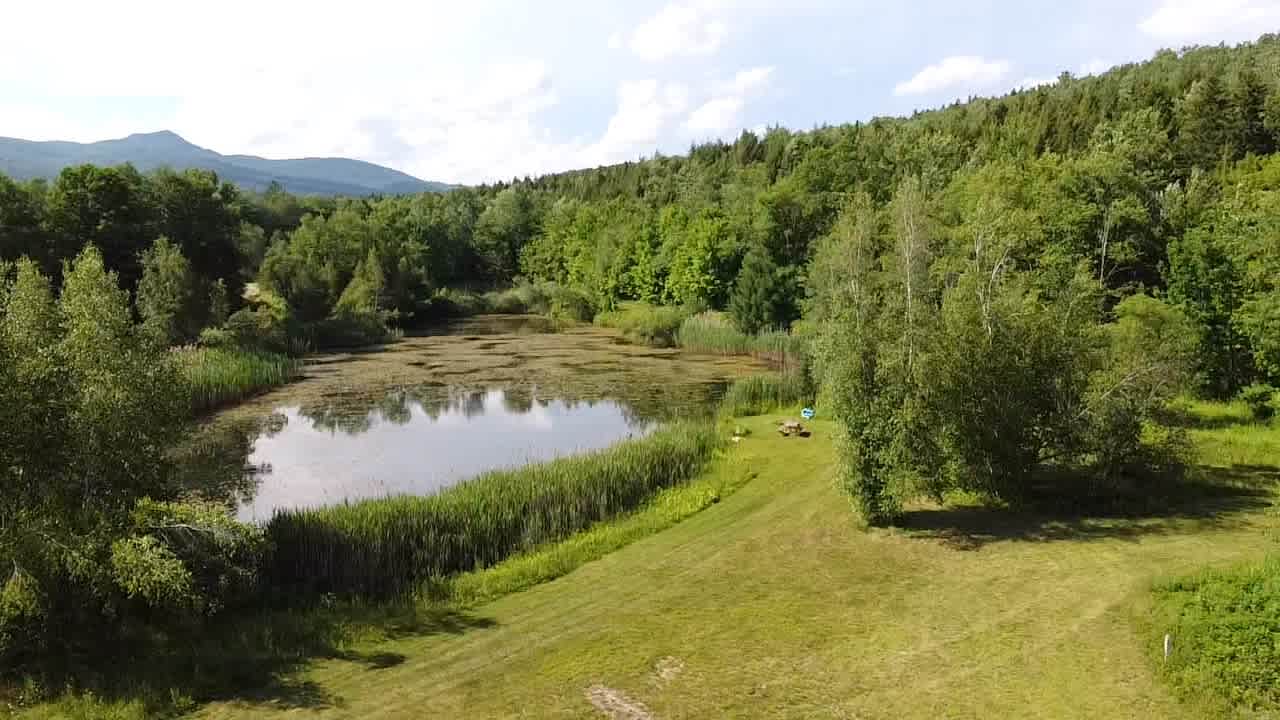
point(1168, 645)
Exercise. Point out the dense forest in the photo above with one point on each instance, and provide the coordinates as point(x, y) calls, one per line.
point(1096, 246)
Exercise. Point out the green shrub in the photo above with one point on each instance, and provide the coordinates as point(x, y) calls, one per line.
point(218, 559)
point(643, 323)
point(389, 546)
point(570, 304)
point(451, 303)
point(1261, 400)
point(258, 328)
point(1223, 626)
point(759, 394)
point(349, 330)
point(523, 299)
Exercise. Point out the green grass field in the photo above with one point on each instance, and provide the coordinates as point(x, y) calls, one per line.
point(767, 601)
point(771, 604)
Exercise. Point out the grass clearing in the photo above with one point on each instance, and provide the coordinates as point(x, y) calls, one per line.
point(776, 606)
point(669, 507)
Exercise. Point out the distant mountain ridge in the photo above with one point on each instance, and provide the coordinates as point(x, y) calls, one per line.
point(27, 159)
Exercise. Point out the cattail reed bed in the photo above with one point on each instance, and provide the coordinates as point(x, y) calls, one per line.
point(758, 394)
point(711, 332)
point(391, 546)
point(218, 376)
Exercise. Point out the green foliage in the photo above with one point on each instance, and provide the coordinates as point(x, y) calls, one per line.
point(382, 547)
point(91, 405)
point(571, 305)
point(503, 228)
point(647, 324)
point(1223, 626)
point(1262, 401)
point(147, 570)
point(365, 294)
point(763, 297)
point(168, 297)
point(109, 208)
point(190, 555)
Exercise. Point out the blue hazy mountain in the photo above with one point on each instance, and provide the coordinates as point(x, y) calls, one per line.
point(26, 159)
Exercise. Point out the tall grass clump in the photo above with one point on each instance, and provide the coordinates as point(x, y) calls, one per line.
point(649, 324)
point(523, 299)
point(390, 546)
point(712, 332)
point(220, 375)
point(542, 298)
point(759, 394)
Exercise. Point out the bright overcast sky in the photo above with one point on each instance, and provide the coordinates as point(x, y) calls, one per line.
point(485, 89)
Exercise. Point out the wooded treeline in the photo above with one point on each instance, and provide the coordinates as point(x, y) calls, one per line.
point(1158, 174)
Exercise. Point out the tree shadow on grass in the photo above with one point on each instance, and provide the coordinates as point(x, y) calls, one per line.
point(256, 659)
point(1220, 498)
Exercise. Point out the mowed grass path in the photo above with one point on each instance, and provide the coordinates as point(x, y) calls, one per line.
point(772, 604)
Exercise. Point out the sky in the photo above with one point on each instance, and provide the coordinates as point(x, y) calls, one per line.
point(487, 90)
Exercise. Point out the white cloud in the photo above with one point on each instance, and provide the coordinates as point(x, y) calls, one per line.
point(1095, 66)
point(679, 29)
point(615, 41)
point(645, 109)
point(1189, 20)
point(959, 71)
point(1028, 83)
point(722, 114)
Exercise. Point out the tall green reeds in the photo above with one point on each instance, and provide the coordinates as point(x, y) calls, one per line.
point(218, 376)
point(390, 546)
point(649, 324)
point(759, 394)
point(711, 332)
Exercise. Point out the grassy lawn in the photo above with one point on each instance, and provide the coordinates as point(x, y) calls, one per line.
point(771, 603)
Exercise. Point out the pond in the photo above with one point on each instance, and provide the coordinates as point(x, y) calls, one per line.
point(429, 411)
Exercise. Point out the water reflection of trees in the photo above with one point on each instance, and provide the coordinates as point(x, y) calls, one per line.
point(212, 464)
point(640, 405)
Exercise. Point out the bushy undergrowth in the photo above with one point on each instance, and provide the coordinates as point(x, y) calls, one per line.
point(545, 298)
point(384, 547)
point(1223, 626)
point(222, 375)
point(764, 393)
point(1262, 401)
point(649, 324)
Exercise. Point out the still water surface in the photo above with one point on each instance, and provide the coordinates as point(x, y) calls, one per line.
point(430, 411)
point(418, 449)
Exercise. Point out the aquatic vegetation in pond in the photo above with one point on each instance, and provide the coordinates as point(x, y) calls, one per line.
point(431, 410)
